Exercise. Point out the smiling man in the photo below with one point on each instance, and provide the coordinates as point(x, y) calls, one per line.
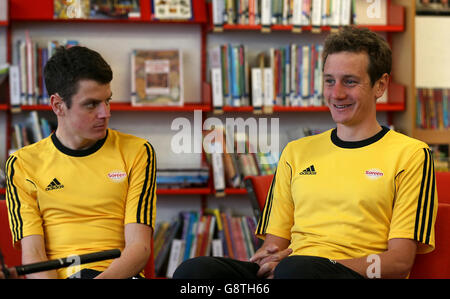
point(369, 205)
point(85, 188)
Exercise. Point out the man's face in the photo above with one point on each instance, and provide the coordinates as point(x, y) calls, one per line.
point(347, 88)
point(88, 117)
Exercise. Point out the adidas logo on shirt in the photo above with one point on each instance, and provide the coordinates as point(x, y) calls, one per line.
point(55, 184)
point(309, 171)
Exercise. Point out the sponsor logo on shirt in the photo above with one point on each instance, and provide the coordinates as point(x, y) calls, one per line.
point(374, 174)
point(117, 176)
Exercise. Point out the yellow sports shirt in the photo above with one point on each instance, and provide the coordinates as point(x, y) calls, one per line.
point(340, 200)
point(81, 200)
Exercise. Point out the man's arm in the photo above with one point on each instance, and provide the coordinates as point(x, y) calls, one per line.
point(396, 262)
point(273, 250)
point(135, 255)
point(33, 251)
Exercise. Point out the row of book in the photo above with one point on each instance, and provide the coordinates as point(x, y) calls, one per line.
point(285, 76)
point(170, 178)
point(27, 84)
point(233, 157)
point(432, 7)
point(31, 130)
point(298, 12)
point(120, 9)
point(209, 233)
point(432, 108)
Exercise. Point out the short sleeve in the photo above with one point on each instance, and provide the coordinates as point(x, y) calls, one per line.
point(277, 217)
point(141, 197)
point(23, 210)
point(415, 205)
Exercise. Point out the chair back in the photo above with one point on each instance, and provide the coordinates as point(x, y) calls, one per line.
point(257, 188)
point(12, 256)
point(436, 264)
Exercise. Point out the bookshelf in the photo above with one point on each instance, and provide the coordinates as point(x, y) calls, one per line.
point(39, 15)
point(431, 74)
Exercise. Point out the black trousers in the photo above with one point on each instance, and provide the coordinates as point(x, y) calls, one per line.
point(91, 274)
point(292, 267)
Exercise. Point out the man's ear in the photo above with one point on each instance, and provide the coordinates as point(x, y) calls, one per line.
point(381, 85)
point(57, 104)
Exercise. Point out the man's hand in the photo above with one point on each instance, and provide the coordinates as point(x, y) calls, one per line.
point(270, 254)
point(12, 273)
point(268, 258)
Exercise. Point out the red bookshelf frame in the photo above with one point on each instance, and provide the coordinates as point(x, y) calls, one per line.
point(395, 22)
point(2, 191)
point(42, 10)
point(126, 106)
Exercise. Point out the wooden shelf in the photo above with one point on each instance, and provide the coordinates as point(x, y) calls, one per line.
point(4, 23)
point(2, 191)
point(432, 136)
point(4, 107)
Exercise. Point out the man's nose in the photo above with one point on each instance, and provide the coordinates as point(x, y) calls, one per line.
point(338, 91)
point(104, 110)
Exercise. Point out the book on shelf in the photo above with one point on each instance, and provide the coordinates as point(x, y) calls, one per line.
point(4, 10)
point(31, 130)
point(156, 77)
point(96, 9)
point(235, 158)
point(171, 10)
point(4, 71)
point(212, 232)
point(435, 7)
point(216, 79)
point(115, 9)
point(432, 108)
point(72, 9)
point(297, 13)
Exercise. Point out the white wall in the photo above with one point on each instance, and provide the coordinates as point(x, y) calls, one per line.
point(432, 51)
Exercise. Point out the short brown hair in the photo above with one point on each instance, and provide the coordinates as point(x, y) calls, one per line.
point(67, 67)
point(353, 39)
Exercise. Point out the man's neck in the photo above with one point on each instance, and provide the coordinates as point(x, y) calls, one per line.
point(73, 142)
point(357, 133)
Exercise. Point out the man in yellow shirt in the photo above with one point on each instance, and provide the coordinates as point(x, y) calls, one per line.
point(85, 188)
point(355, 201)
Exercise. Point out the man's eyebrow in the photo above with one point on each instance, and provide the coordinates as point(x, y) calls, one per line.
point(97, 100)
point(343, 76)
